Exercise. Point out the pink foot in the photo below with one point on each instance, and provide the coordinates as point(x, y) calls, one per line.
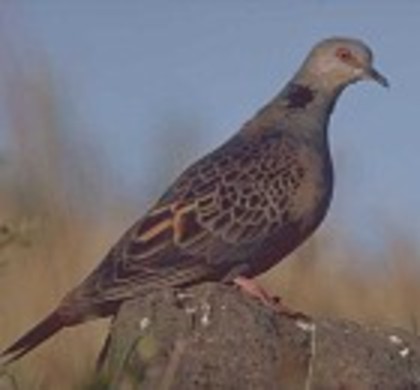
point(274, 302)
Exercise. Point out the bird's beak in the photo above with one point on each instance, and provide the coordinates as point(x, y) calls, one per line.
point(373, 74)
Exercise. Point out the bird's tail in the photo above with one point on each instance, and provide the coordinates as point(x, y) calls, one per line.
point(38, 334)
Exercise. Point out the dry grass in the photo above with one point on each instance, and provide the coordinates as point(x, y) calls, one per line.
point(379, 289)
point(48, 242)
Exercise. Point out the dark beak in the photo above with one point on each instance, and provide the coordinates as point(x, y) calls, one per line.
point(373, 74)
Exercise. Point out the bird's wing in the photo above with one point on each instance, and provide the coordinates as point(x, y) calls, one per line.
point(222, 203)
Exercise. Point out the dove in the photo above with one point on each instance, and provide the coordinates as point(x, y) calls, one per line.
point(237, 211)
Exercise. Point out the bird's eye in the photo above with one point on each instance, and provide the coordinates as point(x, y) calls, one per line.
point(343, 54)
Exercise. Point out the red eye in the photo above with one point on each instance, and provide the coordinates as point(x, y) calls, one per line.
point(343, 54)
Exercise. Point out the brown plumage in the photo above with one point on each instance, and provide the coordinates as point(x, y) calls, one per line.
point(237, 211)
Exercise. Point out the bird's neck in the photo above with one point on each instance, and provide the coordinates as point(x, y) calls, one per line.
point(302, 108)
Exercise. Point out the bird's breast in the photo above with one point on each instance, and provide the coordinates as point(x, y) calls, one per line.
point(312, 195)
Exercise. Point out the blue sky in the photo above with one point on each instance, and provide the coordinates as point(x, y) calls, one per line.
point(129, 66)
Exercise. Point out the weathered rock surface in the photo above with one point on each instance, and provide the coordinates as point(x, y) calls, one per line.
point(213, 336)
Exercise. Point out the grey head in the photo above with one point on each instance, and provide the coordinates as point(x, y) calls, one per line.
point(336, 62)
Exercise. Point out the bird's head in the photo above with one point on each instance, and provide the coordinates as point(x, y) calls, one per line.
point(337, 62)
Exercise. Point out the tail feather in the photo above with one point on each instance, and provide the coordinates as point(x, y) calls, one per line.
point(38, 334)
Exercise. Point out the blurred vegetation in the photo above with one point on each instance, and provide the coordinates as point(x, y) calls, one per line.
point(58, 216)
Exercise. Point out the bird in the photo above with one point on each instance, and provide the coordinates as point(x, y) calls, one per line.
point(237, 211)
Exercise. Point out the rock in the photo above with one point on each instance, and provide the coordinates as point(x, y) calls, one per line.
point(212, 336)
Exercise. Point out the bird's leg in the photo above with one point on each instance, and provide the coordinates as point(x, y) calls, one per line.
point(254, 289)
point(274, 302)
